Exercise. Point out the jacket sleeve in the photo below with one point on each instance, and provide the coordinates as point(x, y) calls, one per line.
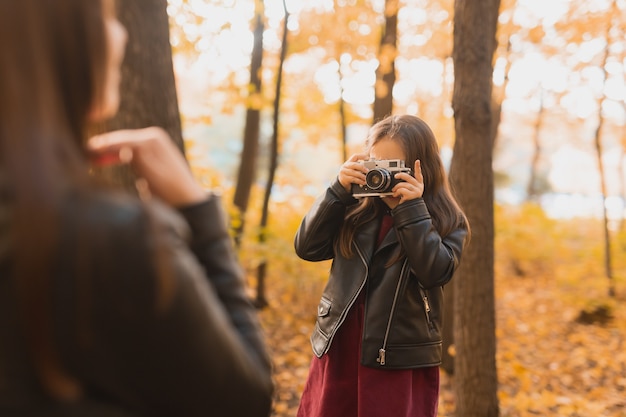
point(212, 245)
point(201, 351)
point(317, 232)
point(433, 259)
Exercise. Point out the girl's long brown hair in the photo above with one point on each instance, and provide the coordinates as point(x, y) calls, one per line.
point(54, 55)
point(418, 142)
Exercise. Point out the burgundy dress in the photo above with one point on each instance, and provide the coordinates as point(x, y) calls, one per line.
point(339, 386)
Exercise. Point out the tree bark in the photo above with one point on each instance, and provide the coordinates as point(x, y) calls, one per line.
point(247, 165)
point(386, 71)
point(471, 175)
point(261, 299)
point(148, 88)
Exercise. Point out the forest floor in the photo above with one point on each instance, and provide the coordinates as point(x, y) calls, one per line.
point(561, 343)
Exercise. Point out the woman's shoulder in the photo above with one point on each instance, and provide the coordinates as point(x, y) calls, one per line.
point(120, 213)
point(122, 243)
point(113, 225)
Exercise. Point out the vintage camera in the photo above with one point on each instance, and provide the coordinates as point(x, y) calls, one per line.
point(379, 180)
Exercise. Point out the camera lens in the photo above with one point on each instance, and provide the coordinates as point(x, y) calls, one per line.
point(377, 179)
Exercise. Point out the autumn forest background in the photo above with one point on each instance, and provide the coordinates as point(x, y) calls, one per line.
point(527, 98)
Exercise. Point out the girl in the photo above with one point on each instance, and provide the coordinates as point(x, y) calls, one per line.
point(109, 306)
point(377, 339)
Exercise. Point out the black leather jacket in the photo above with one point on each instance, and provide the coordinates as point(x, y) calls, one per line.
point(200, 353)
point(404, 301)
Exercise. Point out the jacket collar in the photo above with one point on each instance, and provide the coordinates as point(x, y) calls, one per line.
point(390, 239)
point(365, 239)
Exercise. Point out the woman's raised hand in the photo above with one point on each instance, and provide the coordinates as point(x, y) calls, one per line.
point(154, 158)
point(353, 172)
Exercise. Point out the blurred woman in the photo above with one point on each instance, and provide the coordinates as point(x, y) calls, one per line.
point(109, 305)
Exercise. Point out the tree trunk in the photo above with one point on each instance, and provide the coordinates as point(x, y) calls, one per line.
point(622, 175)
point(497, 97)
point(471, 175)
point(343, 118)
point(608, 264)
point(148, 88)
point(261, 299)
point(386, 71)
point(247, 166)
point(447, 359)
point(532, 190)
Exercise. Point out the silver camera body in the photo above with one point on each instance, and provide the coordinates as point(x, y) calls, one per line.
point(379, 180)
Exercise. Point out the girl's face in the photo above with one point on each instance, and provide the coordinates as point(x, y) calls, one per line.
point(116, 43)
point(387, 148)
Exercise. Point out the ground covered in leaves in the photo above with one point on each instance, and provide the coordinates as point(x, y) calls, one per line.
point(561, 340)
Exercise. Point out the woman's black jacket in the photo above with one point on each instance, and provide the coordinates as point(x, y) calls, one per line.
point(185, 343)
point(404, 301)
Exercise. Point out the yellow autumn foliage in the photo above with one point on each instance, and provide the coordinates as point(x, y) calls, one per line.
point(548, 273)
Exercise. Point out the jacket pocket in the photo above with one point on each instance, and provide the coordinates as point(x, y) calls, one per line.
point(323, 309)
point(320, 339)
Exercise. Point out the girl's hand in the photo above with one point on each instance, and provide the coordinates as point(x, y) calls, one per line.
point(410, 188)
point(352, 172)
point(154, 158)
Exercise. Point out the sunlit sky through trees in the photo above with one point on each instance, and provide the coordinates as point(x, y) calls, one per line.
point(553, 64)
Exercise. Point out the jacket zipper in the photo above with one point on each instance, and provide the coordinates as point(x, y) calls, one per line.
point(349, 306)
point(382, 350)
point(426, 307)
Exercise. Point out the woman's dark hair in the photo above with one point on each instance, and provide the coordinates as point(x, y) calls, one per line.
point(418, 142)
point(54, 55)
